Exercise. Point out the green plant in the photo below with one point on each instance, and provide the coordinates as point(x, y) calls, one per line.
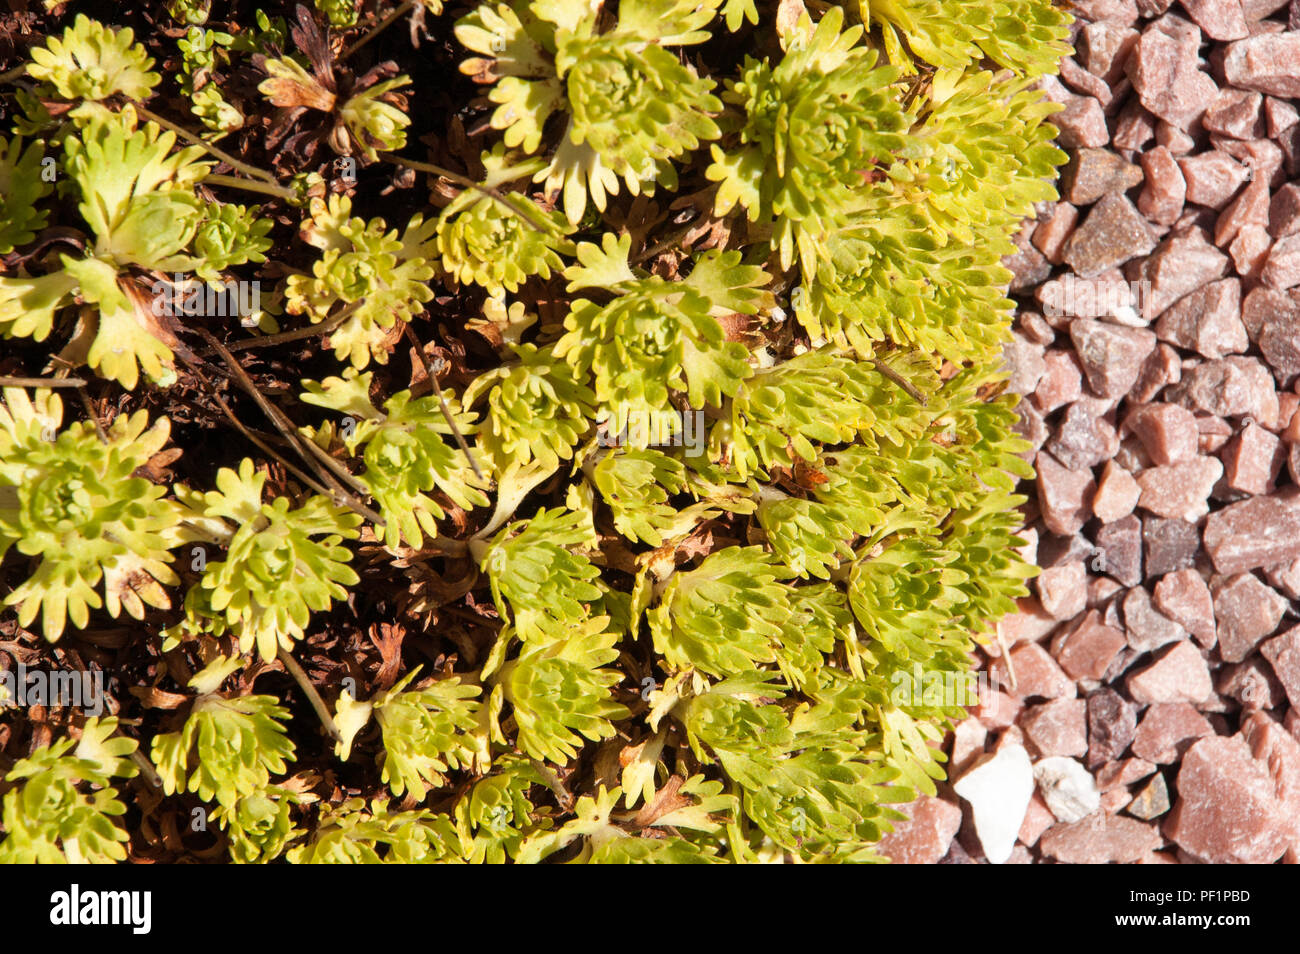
point(281, 562)
point(228, 747)
point(405, 452)
point(701, 441)
point(72, 500)
point(632, 106)
point(362, 263)
point(51, 818)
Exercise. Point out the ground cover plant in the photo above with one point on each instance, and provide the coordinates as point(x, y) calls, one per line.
point(544, 431)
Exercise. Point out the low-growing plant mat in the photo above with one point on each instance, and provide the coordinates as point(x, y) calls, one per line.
point(535, 431)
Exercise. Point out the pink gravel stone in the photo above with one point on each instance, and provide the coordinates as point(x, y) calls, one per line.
point(1284, 211)
point(1212, 178)
point(1169, 544)
point(1276, 749)
point(968, 740)
point(1111, 355)
point(1251, 683)
point(1280, 116)
point(1037, 674)
point(925, 837)
point(1122, 11)
point(1113, 233)
point(1134, 127)
point(996, 710)
point(1180, 491)
point(1063, 590)
point(1082, 439)
point(1082, 123)
point(1246, 611)
point(1164, 71)
point(1051, 234)
point(1174, 138)
point(1263, 307)
point(1259, 9)
point(1063, 495)
point(1088, 652)
point(1092, 173)
point(1162, 367)
point(1167, 431)
point(1277, 316)
point(1167, 731)
point(1268, 63)
point(1236, 113)
point(1282, 267)
point(1249, 250)
point(1250, 207)
point(1286, 577)
point(1184, 597)
point(1029, 622)
point(1024, 361)
point(1180, 675)
point(1227, 811)
point(1038, 818)
point(1146, 627)
point(1252, 460)
point(1261, 531)
point(1100, 838)
point(1182, 263)
point(1120, 546)
point(1061, 381)
point(1111, 723)
point(1263, 159)
point(1220, 19)
point(1121, 773)
point(1229, 387)
point(1165, 191)
point(1081, 81)
point(1104, 48)
point(1117, 494)
point(1283, 654)
point(1208, 320)
point(1056, 728)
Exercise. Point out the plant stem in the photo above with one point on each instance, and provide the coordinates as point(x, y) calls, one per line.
point(194, 140)
point(317, 703)
point(13, 74)
point(379, 28)
point(8, 382)
point(442, 403)
point(311, 331)
point(495, 194)
point(898, 379)
point(286, 428)
point(252, 185)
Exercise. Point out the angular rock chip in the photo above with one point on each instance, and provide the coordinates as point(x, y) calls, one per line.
point(1113, 233)
point(924, 838)
point(998, 789)
point(1227, 811)
point(1111, 355)
point(1167, 731)
point(1100, 838)
point(1180, 675)
point(1261, 531)
point(1207, 320)
point(1269, 63)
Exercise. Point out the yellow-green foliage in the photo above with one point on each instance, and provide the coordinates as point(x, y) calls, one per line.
point(741, 458)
